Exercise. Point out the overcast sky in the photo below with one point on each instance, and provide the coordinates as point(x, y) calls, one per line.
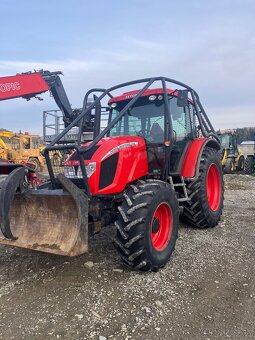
point(209, 45)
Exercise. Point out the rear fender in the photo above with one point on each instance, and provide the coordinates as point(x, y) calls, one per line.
point(190, 167)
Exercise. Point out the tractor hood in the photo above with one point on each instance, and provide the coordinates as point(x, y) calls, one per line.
point(111, 164)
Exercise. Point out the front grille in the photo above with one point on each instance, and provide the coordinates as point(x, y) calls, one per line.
point(66, 161)
point(108, 170)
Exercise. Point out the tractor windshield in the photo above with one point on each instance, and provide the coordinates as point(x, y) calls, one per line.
point(145, 119)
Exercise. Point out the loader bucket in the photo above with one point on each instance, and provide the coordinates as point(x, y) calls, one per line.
point(51, 221)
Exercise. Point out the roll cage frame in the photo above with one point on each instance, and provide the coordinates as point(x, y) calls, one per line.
point(84, 117)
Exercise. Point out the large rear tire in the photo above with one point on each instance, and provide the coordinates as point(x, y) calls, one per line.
point(248, 165)
point(147, 227)
point(206, 192)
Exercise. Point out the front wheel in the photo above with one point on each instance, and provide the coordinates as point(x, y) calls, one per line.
point(147, 227)
point(206, 192)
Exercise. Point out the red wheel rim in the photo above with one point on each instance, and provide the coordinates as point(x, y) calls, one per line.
point(161, 226)
point(213, 187)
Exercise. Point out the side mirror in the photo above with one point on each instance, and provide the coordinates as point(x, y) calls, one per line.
point(182, 99)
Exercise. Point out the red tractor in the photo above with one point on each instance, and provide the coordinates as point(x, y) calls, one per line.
point(155, 159)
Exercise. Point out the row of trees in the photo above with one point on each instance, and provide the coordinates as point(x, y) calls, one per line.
point(245, 134)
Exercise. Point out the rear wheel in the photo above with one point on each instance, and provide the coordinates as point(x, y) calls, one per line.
point(206, 192)
point(147, 227)
point(248, 165)
point(229, 166)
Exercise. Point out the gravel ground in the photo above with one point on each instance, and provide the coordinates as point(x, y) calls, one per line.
point(205, 292)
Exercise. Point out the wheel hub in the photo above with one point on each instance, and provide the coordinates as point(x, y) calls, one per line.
point(213, 187)
point(155, 225)
point(161, 226)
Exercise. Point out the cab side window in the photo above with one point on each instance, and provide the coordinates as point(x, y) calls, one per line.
point(182, 129)
point(35, 143)
point(180, 120)
point(15, 144)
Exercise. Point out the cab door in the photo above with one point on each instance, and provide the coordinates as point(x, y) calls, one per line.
point(155, 141)
point(182, 118)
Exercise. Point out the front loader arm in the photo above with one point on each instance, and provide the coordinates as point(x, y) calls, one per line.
point(2, 145)
point(22, 85)
point(59, 94)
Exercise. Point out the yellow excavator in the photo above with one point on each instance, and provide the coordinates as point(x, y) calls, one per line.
point(232, 158)
point(21, 147)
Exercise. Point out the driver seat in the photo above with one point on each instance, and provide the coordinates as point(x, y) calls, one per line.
point(156, 133)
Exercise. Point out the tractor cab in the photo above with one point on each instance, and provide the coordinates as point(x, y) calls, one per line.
point(155, 132)
point(232, 158)
point(229, 142)
point(149, 119)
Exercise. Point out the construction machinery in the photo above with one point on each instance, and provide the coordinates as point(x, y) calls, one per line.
point(232, 158)
point(21, 147)
point(248, 149)
point(155, 159)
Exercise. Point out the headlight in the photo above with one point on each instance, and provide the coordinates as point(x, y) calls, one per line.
point(75, 171)
point(152, 97)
